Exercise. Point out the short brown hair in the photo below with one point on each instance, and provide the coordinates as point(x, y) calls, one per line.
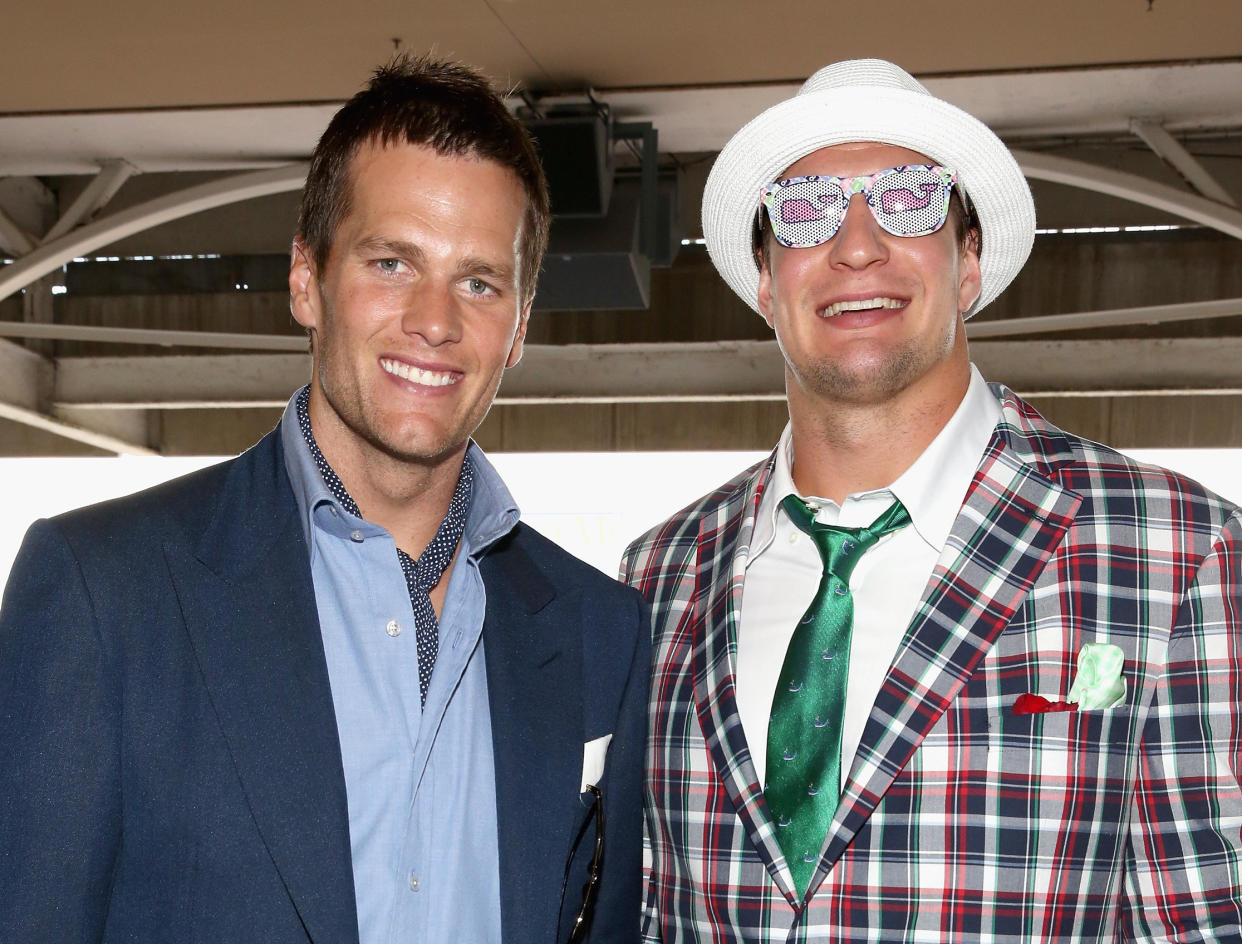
point(439, 104)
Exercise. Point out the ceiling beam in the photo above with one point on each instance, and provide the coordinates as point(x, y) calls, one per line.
point(234, 189)
point(677, 372)
point(1115, 183)
point(13, 235)
point(102, 188)
point(26, 383)
point(165, 337)
point(26, 378)
point(26, 206)
point(180, 381)
point(1105, 318)
point(1019, 103)
point(247, 341)
point(1171, 151)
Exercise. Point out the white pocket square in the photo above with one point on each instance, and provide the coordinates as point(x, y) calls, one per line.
point(593, 755)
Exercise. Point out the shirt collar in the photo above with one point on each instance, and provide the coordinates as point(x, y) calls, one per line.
point(493, 512)
point(309, 489)
point(932, 489)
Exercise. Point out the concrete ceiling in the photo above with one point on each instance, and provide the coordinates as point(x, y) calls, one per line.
point(177, 85)
point(1073, 102)
point(131, 54)
point(149, 97)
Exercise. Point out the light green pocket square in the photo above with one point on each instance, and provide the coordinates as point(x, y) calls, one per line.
point(1099, 683)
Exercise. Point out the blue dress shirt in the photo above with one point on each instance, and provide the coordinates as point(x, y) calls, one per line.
point(420, 782)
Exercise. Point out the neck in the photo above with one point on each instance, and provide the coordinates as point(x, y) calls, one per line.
point(844, 448)
point(407, 498)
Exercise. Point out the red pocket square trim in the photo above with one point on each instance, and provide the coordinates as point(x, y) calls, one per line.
point(1037, 705)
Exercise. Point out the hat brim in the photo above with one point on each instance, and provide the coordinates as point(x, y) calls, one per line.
point(788, 131)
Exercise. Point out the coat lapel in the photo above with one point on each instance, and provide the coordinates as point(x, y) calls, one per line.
point(534, 687)
point(249, 607)
point(723, 547)
point(1013, 519)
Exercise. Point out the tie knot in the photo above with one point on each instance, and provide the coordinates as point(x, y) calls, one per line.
point(840, 548)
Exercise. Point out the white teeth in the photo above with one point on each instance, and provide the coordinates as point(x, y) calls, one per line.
point(427, 378)
point(837, 307)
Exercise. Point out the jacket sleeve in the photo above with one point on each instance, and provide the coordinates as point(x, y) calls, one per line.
point(1184, 868)
point(60, 794)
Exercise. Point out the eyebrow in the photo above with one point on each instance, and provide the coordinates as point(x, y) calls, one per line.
point(394, 247)
point(480, 267)
point(470, 265)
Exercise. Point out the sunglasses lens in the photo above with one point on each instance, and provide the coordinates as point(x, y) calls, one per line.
point(905, 201)
point(805, 212)
point(910, 201)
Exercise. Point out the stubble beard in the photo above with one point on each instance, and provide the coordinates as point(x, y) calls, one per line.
point(361, 417)
point(875, 381)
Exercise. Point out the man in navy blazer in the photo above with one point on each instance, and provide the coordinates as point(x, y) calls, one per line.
point(333, 690)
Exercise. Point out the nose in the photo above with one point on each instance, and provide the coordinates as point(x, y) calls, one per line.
point(434, 314)
point(859, 242)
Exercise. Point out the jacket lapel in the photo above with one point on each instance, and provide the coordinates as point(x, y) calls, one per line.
point(249, 607)
point(1012, 520)
point(534, 687)
point(723, 547)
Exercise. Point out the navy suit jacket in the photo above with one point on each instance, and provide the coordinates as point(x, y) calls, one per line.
point(168, 744)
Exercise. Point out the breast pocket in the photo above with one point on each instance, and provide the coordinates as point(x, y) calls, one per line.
point(1098, 741)
point(1064, 771)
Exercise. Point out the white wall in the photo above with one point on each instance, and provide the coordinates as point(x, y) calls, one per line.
point(592, 503)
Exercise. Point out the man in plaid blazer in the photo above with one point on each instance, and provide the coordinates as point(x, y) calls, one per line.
point(1041, 732)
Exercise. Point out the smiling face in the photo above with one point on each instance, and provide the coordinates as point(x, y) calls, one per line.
point(867, 318)
point(417, 311)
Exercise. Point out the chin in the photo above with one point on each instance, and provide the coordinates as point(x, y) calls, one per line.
point(869, 381)
point(424, 450)
point(410, 442)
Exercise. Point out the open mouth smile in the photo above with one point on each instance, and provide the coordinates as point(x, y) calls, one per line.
point(862, 304)
point(426, 378)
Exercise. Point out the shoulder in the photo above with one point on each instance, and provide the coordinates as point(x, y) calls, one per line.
point(530, 559)
point(180, 510)
point(1110, 483)
point(179, 499)
point(526, 573)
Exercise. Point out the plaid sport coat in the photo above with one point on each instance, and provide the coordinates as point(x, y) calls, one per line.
point(961, 821)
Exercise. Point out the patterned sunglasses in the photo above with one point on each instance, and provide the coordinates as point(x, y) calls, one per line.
point(912, 200)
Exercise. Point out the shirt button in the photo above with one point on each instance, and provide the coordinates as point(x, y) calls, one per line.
point(355, 536)
point(793, 537)
point(335, 512)
point(393, 628)
point(414, 884)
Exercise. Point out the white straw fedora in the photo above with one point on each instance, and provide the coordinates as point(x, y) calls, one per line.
point(867, 100)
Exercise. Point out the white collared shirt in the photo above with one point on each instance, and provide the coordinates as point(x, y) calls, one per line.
point(784, 569)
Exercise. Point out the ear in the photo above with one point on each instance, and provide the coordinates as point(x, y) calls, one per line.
point(765, 287)
point(303, 286)
point(971, 280)
point(519, 336)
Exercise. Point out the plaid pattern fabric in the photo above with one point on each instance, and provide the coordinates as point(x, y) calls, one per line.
point(961, 821)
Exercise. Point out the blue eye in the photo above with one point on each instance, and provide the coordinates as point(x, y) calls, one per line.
point(477, 287)
point(388, 265)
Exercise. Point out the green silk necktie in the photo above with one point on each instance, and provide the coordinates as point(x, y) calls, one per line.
point(808, 708)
